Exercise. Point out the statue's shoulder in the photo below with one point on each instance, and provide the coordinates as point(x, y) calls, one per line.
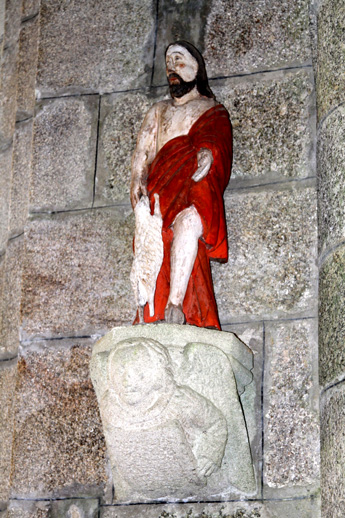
point(158, 108)
point(160, 105)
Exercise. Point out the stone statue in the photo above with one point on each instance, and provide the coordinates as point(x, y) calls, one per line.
point(169, 395)
point(171, 413)
point(184, 154)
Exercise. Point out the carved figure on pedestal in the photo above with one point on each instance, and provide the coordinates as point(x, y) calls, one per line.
point(174, 427)
point(184, 154)
point(167, 425)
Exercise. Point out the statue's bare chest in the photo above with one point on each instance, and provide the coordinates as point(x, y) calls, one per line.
point(178, 120)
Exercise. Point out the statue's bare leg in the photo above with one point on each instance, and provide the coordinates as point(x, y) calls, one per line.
point(187, 231)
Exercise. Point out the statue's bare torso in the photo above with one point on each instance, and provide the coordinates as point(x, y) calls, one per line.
point(177, 119)
point(164, 121)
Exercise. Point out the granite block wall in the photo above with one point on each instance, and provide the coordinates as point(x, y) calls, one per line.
point(78, 77)
point(331, 174)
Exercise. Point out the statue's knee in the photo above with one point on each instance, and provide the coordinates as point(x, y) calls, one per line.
point(188, 220)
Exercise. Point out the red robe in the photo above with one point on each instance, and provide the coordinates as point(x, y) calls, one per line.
point(170, 175)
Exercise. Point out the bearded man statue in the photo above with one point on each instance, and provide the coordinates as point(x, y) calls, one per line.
point(184, 155)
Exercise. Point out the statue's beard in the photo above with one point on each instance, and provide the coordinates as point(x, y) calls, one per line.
point(180, 89)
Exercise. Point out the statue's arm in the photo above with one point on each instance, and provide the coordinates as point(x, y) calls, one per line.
point(205, 160)
point(144, 154)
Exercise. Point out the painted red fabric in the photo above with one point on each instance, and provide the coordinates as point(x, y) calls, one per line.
point(170, 176)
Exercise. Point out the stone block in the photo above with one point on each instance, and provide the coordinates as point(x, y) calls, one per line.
point(272, 239)
point(331, 318)
point(243, 37)
point(29, 509)
point(5, 193)
point(10, 299)
point(236, 37)
point(64, 149)
point(169, 398)
point(27, 68)
point(178, 21)
point(30, 8)
point(103, 48)
point(273, 127)
point(59, 447)
point(306, 508)
point(74, 508)
point(8, 98)
point(333, 452)
point(8, 371)
point(21, 177)
point(120, 120)
point(76, 273)
point(331, 59)
point(331, 180)
point(291, 434)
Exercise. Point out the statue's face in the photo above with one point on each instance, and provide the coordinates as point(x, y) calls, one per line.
point(180, 62)
point(133, 375)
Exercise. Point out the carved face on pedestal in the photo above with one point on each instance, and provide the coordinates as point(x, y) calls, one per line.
point(138, 374)
point(182, 69)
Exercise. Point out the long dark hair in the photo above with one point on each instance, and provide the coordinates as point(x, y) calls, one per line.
point(201, 77)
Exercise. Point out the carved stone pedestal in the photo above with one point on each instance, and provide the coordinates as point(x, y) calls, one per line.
point(171, 412)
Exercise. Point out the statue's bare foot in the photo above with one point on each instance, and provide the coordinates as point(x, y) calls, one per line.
point(174, 314)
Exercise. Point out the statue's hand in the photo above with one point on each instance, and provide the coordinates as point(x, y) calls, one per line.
point(205, 160)
point(138, 189)
point(206, 468)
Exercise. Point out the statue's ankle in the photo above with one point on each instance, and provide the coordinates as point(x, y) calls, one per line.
point(174, 314)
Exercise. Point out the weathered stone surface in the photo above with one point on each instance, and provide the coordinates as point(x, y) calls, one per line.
point(5, 193)
point(102, 48)
point(86, 508)
point(27, 67)
point(171, 412)
point(272, 126)
point(2, 27)
point(331, 317)
point(10, 299)
point(12, 21)
point(272, 252)
point(242, 37)
point(331, 58)
point(76, 273)
point(291, 457)
point(64, 508)
point(64, 151)
point(178, 21)
point(8, 370)
point(120, 121)
point(27, 509)
point(21, 177)
point(30, 8)
point(331, 173)
point(8, 97)
point(333, 452)
point(308, 508)
point(59, 446)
